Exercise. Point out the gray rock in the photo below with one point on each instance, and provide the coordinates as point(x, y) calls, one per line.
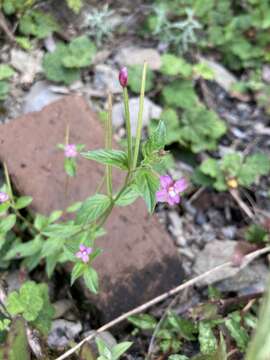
point(130, 56)
point(222, 76)
point(39, 96)
point(27, 63)
point(151, 111)
point(62, 332)
point(229, 278)
point(106, 79)
point(266, 74)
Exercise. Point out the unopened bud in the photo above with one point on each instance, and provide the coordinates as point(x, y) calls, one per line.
point(123, 77)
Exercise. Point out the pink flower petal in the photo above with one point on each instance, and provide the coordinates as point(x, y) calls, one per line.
point(165, 181)
point(85, 258)
point(162, 195)
point(181, 185)
point(172, 200)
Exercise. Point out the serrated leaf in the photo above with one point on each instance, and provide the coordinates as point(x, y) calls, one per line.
point(75, 5)
point(185, 327)
point(25, 249)
point(54, 69)
point(37, 23)
point(92, 208)
point(77, 271)
point(204, 71)
point(4, 89)
point(23, 202)
point(117, 158)
point(128, 196)
point(55, 215)
point(147, 184)
point(83, 46)
point(70, 166)
point(231, 163)
point(90, 277)
point(7, 223)
point(254, 166)
point(62, 231)
point(210, 167)
point(173, 65)
point(43, 321)
point(180, 94)
point(156, 141)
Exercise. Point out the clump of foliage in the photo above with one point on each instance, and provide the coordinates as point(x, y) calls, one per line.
point(134, 73)
point(64, 64)
point(234, 170)
point(6, 72)
point(114, 353)
point(180, 33)
point(98, 24)
point(33, 303)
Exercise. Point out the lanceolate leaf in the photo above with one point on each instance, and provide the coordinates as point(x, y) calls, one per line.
point(93, 208)
point(90, 277)
point(116, 158)
point(156, 141)
point(147, 184)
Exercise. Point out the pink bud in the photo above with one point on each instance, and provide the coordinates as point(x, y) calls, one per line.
point(123, 77)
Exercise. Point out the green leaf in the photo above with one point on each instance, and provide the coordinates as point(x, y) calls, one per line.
point(74, 207)
point(231, 163)
point(173, 65)
point(54, 68)
point(70, 166)
point(75, 5)
point(117, 158)
point(4, 89)
point(25, 249)
point(28, 301)
point(90, 277)
point(177, 357)
point(37, 23)
point(237, 331)
point(180, 94)
point(210, 167)
point(147, 184)
point(185, 327)
point(52, 246)
point(83, 46)
point(43, 321)
point(92, 208)
point(77, 271)
point(61, 231)
point(7, 223)
point(204, 71)
point(143, 321)
point(254, 166)
point(134, 79)
point(156, 141)
point(6, 71)
point(55, 215)
point(40, 222)
point(128, 196)
point(259, 347)
point(207, 340)
point(120, 349)
point(23, 202)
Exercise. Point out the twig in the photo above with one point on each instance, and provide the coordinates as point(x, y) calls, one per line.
point(248, 258)
point(240, 202)
point(5, 27)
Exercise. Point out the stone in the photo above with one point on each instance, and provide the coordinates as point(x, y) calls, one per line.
point(151, 111)
point(229, 278)
point(222, 76)
point(62, 332)
point(106, 79)
point(130, 56)
point(139, 260)
point(27, 63)
point(39, 96)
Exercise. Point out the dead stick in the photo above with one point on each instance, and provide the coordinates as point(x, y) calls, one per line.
point(5, 27)
point(248, 258)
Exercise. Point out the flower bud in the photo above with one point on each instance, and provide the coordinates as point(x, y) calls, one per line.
point(123, 77)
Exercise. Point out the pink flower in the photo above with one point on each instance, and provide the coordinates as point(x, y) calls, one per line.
point(84, 253)
point(71, 151)
point(170, 190)
point(123, 77)
point(3, 197)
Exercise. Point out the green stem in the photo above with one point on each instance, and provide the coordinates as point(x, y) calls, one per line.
point(140, 119)
point(108, 145)
point(128, 126)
